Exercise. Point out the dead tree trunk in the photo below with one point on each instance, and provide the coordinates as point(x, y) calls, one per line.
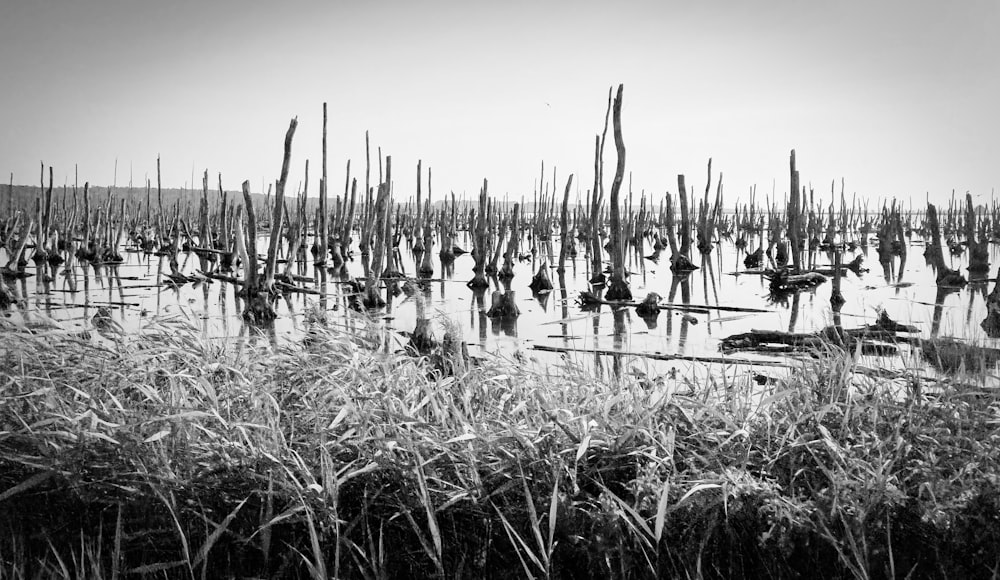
point(372, 299)
point(507, 272)
point(617, 289)
point(427, 265)
point(260, 293)
point(493, 267)
point(680, 257)
point(935, 253)
point(479, 242)
point(596, 264)
point(322, 227)
point(979, 251)
point(794, 215)
point(564, 238)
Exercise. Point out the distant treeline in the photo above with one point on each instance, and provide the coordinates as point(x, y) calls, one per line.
point(22, 198)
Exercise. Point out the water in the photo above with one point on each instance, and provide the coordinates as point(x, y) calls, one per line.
point(136, 293)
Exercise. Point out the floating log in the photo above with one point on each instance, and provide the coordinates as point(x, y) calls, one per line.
point(784, 282)
point(762, 341)
point(664, 357)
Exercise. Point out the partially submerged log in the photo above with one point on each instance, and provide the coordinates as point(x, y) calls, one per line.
point(783, 281)
point(951, 355)
point(774, 341)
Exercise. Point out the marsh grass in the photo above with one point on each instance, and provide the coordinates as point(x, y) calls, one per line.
point(168, 456)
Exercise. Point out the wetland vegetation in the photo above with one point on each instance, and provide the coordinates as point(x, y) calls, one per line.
point(328, 412)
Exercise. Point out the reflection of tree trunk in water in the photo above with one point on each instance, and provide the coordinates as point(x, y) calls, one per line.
point(291, 309)
point(974, 288)
point(942, 293)
point(366, 265)
point(902, 268)
point(794, 318)
point(836, 297)
point(618, 315)
point(706, 264)
point(480, 300)
point(887, 272)
point(675, 282)
point(447, 269)
point(596, 326)
point(323, 287)
point(205, 317)
point(564, 298)
point(685, 320)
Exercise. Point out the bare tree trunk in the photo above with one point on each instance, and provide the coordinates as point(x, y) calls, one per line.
point(794, 215)
point(564, 237)
point(323, 233)
point(479, 242)
point(617, 289)
point(507, 272)
point(372, 299)
point(427, 265)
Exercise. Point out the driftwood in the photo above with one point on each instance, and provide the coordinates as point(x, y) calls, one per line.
point(663, 357)
point(885, 331)
point(783, 281)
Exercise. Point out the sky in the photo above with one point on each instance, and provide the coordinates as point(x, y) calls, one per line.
point(899, 99)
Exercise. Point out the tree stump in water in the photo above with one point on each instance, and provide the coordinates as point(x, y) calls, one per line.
point(618, 290)
point(422, 340)
point(503, 305)
point(782, 281)
point(754, 259)
point(336, 256)
point(855, 265)
point(991, 324)
point(453, 354)
point(541, 282)
point(681, 263)
point(781, 256)
point(650, 305)
point(7, 296)
point(447, 254)
point(259, 308)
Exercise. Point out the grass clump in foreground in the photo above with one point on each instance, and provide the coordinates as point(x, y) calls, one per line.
point(172, 457)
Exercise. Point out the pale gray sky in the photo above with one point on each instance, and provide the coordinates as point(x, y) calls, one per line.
point(897, 97)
